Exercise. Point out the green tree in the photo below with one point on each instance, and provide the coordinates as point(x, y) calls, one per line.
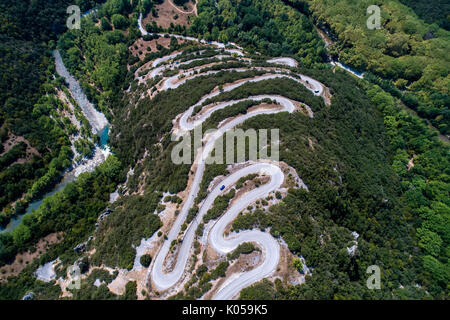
point(145, 260)
point(119, 21)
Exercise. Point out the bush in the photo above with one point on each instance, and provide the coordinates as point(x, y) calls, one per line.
point(220, 270)
point(145, 260)
point(244, 248)
point(119, 21)
point(105, 24)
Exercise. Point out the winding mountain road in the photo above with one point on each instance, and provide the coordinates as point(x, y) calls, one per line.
point(165, 280)
point(214, 43)
point(224, 245)
point(184, 123)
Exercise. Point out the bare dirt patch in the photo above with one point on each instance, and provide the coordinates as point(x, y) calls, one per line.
point(324, 36)
point(23, 259)
point(117, 286)
point(139, 47)
point(286, 269)
point(14, 140)
point(170, 13)
point(327, 95)
point(188, 8)
point(411, 162)
point(311, 144)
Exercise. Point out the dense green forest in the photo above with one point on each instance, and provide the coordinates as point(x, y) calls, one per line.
point(410, 54)
point(435, 11)
point(425, 185)
point(370, 199)
point(416, 198)
point(72, 211)
point(132, 220)
point(100, 55)
point(267, 26)
point(27, 34)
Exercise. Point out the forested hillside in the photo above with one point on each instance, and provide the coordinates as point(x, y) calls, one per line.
point(36, 135)
point(267, 26)
point(436, 11)
point(29, 106)
point(410, 54)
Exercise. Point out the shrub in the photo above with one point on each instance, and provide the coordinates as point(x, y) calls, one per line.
point(145, 260)
point(119, 21)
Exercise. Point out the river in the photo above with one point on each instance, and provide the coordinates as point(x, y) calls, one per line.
point(327, 40)
point(99, 125)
